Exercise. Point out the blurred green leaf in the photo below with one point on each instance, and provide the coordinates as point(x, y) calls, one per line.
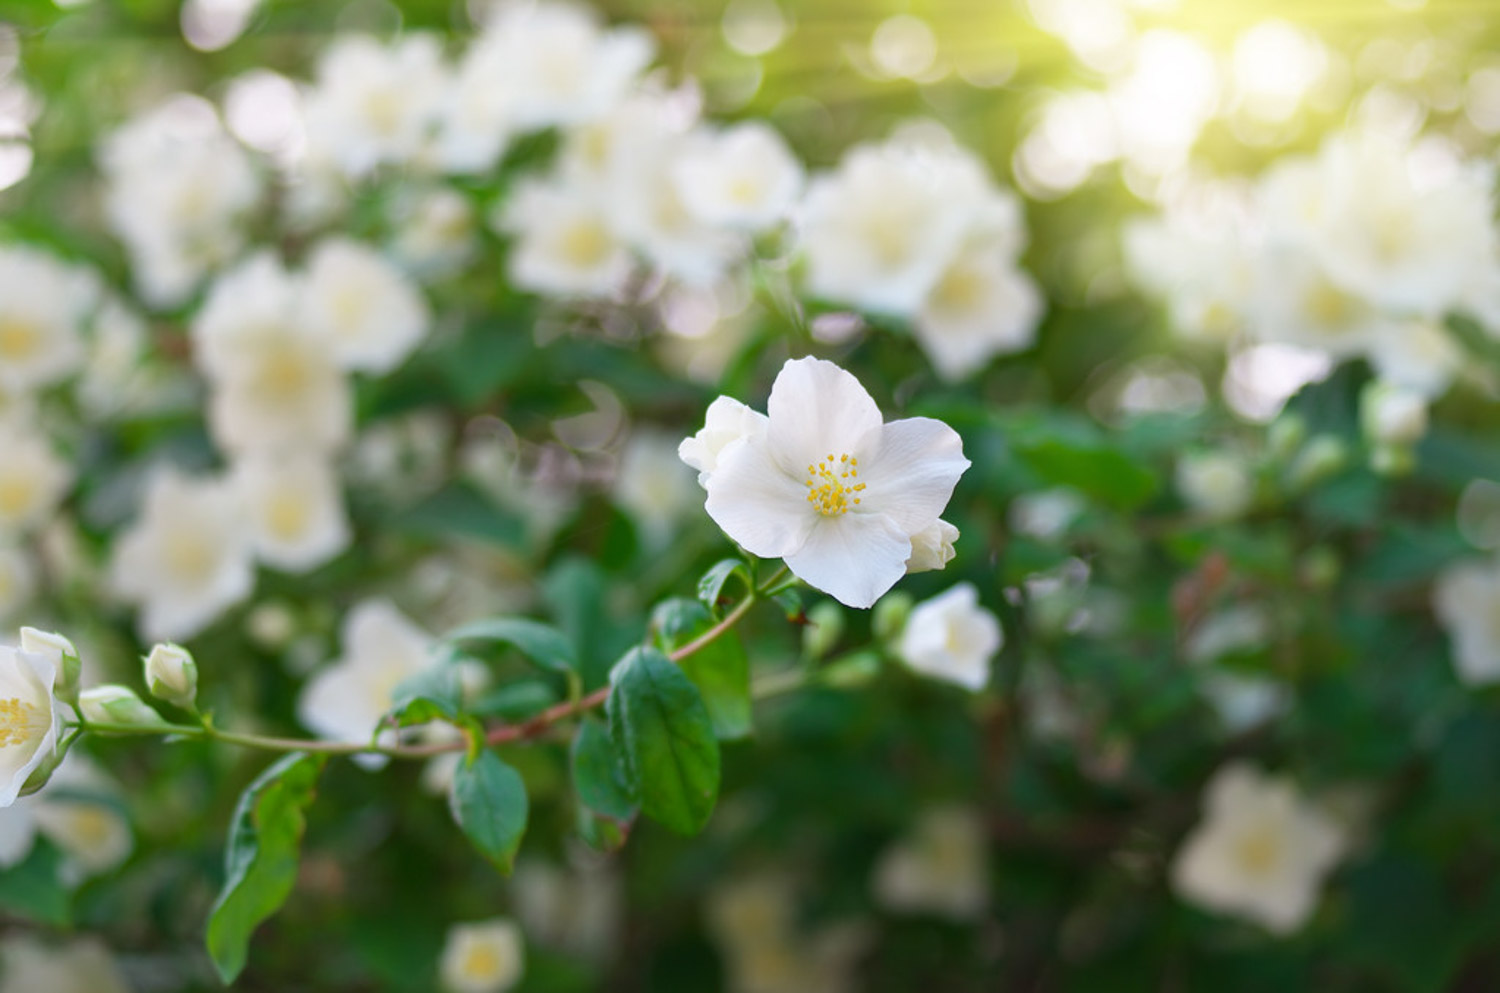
point(598, 775)
point(541, 643)
point(33, 888)
point(711, 586)
point(488, 800)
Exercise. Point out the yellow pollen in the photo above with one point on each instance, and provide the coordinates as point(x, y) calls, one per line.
point(19, 339)
point(20, 722)
point(827, 490)
point(481, 962)
point(1258, 852)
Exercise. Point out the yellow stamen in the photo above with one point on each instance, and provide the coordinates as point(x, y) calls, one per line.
point(20, 722)
point(827, 491)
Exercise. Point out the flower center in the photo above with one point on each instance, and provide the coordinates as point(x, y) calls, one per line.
point(481, 962)
point(831, 485)
point(19, 339)
point(20, 722)
point(1258, 852)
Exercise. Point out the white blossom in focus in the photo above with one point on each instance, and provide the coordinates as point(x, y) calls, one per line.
point(1466, 599)
point(370, 312)
point(186, 558)
point(32, 477)
point(832, 489)
point(952, 638)
point(30, 718)
point(346, 699)
point(941, 868)
point(743, 177)
point(43, 303)
point(932, 547)
point(1261, 850)
point(726, 421)
point(295, 510)
point(483, 957)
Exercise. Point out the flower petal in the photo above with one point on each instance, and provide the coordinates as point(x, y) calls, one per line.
point(854, 558)
point(756, 502)
point(817, 409)
point(911, 475)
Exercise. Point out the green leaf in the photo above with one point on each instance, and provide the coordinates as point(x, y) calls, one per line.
point(1094, 469)
point(661, 726)
point(488, 800)
point(541, 643)
point(597, 774)
point(434, 694)
point(711, 586)
point(720, 669)
point(261, 862)
point(34, 888)
point(462, 511)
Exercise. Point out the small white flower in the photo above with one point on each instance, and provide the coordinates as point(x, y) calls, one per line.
point(1216, 484)
point(477, 113)
point(171, 674)
point(726, 421)
point(346, 700)
point(81, 813)
point(1391, 415)
point(1260, 852)
point(295, 509)
point(744, 177)
point(932, 547)
point(952, 638)
point(370, 311)
point(566, 244)
point(375, 103)
point(32, 478)
point(1046, 515)
point(435, 232)
point(832, 489)
point(42, 305)
point(30, 718)
point(942, 868)
point(483, 957)
point(186, 558)
point(1466, 600)
point(980, 307)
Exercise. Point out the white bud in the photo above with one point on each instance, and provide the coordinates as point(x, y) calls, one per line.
point(63, 655)
point(172, 675)
point(932, 547)
point(115, 704)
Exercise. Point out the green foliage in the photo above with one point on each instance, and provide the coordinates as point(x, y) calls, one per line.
point(598, 774)
point(488, 800)
point(720, 669)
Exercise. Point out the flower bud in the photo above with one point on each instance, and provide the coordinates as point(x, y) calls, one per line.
point(63, 655)
point(115, 704)
point(890, 615)
point(932, 547)
point(172, 675)
point(825, 625)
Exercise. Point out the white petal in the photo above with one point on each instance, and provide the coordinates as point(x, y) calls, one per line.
point(852, 558)
point(757, 503)
point(817, 409)
point(911, 476)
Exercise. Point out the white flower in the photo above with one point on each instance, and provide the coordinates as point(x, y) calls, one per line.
point(42, 304)
point(295, 509)
point(186, 558)
point(576, 909)
point(1298, 302)
point(32, 478)
point(565, 242)
point(557, 66)
point(743, 177)
point(932, 547)
point(1391, 415)
point(175, 187)
point(880, 231)
point(375, 103)
point(1260, 852)
point(952, 638)
point(943, 867)
point(1046, 515)
point(483, 957)
point(30, 718)
point(171, 674)
point(346, 700)
point(435, 232)
point(277, 384)
point(370, 311)
point(980, 307)
point(726, 421)
point(1420, 356)
point(1216, 484)
point(651, 486)
point(79, 965)
point(1466, 599)
point(830, 488)
point(81, 812)
point(477, 115)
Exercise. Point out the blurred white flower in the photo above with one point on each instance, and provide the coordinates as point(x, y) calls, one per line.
point(1046, 515)
point(952, 638)
point(175, 188)
point(435, 232)
point(30, 718)
point(1298, 302)
point(743, 177)
point(1466, 599)
point(1419, 355)
point(345, 700)
point(483, 957)
point(1260, 852)
point(369, 311)
point(981, 306)
point(79, 965)
point(557, 66)
point(941, 868)
point(295, 509)
point(932, 547)
point(726, 421)
point(768, 948)
point(1216, 484)
point(186, 558)
point(32, 478)
point(374, 103)
point(577, 909)
point(478, 115)
point(42, 305)
point(117, 376)
point(565, 242)
point(82, 813)
point(832, 489)
point(17, 581)
point(277, 384)
point(651, 486)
